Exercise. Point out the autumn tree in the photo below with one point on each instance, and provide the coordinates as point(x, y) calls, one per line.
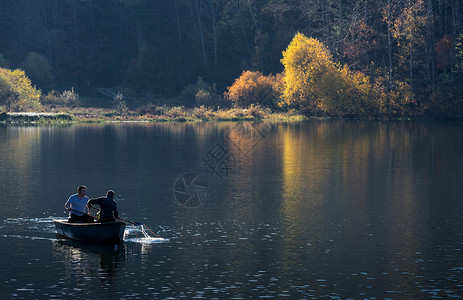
point(306, 61)
point(408, 29)
point(348, 93)
point(313, 82)
point(16, 90)
point(359, 42)
point(459, 53)
point(253, 88)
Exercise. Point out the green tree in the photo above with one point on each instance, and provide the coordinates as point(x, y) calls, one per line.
point(16, 90)
point(38, 69)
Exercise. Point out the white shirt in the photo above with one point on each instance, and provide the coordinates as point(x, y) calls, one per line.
point(77, 204)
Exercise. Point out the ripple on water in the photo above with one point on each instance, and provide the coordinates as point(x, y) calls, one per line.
point(29, 228)
point(145, 240)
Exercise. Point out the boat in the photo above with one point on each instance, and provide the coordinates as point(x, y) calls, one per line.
point(91, 232)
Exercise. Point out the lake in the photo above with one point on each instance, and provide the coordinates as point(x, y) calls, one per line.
point(314, 209)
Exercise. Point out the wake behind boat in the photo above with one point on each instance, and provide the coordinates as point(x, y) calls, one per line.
point(91, 232)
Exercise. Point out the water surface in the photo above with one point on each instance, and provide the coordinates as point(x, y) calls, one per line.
point(317, 209)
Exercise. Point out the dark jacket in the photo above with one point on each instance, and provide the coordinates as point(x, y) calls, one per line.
point(108, 208)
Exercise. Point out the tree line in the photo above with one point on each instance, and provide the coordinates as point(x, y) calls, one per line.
point(167, 47)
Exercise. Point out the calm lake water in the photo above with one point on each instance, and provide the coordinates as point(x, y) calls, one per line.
point(317, 209)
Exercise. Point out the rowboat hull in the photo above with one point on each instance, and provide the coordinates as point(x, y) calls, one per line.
point(91, 232)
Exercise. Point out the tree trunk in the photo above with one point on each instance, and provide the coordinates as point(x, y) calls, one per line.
point(251, 11)
point(411, 59)
point(389, 40)
point(198, 7)
point(177, 20)
point(44, 12)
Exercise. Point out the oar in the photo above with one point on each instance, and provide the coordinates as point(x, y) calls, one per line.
point(83, 213)
point(141, 224)
point(133, 223)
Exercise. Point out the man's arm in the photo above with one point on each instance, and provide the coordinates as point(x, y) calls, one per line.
point(67, 205)
point(94, 201)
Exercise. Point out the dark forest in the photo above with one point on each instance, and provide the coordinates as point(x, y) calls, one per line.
point(160, 47)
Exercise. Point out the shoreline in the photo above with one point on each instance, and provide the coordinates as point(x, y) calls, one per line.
point(173, 114)
point(179, 115)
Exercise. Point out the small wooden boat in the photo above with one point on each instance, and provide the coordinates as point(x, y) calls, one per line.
point(91, 232)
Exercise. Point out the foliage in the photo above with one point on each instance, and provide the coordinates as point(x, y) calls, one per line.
point(70, 97)
point(201, 93)
point(398, 101)
point(360, 41)
point(459, 53)
point(159, 47)
point(151, 109)
point(66, 98)
point(119, 104)
point(443, 48)
point(408, 26)
point(253, 88)
point(346, 93)
point(38, 69)
point(444, 103)
point(305, 61)
point(314, 83)
point(16, 91)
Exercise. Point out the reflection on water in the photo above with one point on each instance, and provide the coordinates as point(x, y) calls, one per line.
point(318, 209)
point(84, 260)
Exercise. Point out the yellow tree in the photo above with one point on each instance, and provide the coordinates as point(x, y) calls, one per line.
point(17, 91)
point(407, 28)
point(313, 82)
point(305, 61)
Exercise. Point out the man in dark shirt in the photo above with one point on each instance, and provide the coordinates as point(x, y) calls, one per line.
point(108, 207)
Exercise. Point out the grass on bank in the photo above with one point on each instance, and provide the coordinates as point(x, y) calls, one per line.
point(150, 113)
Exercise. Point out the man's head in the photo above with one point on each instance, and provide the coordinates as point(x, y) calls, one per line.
point(110, 194)
point(82, 190)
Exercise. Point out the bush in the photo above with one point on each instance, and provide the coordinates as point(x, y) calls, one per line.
point(346, 93)
point(253, 88)
point(151, 109)
point(201, 93)
point(70, 97)
point(201, 112)
point(38, 69)
point(175, 111)
point(119, 104)
point(16, 91)
point(67, 98)
point(314, 83)
point(394, 102)
point(255, 111)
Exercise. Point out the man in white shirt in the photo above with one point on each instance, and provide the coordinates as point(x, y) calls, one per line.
point(77, 204)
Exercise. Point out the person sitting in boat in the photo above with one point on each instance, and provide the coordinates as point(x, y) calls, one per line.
point(76, 205)
point(108, 207)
